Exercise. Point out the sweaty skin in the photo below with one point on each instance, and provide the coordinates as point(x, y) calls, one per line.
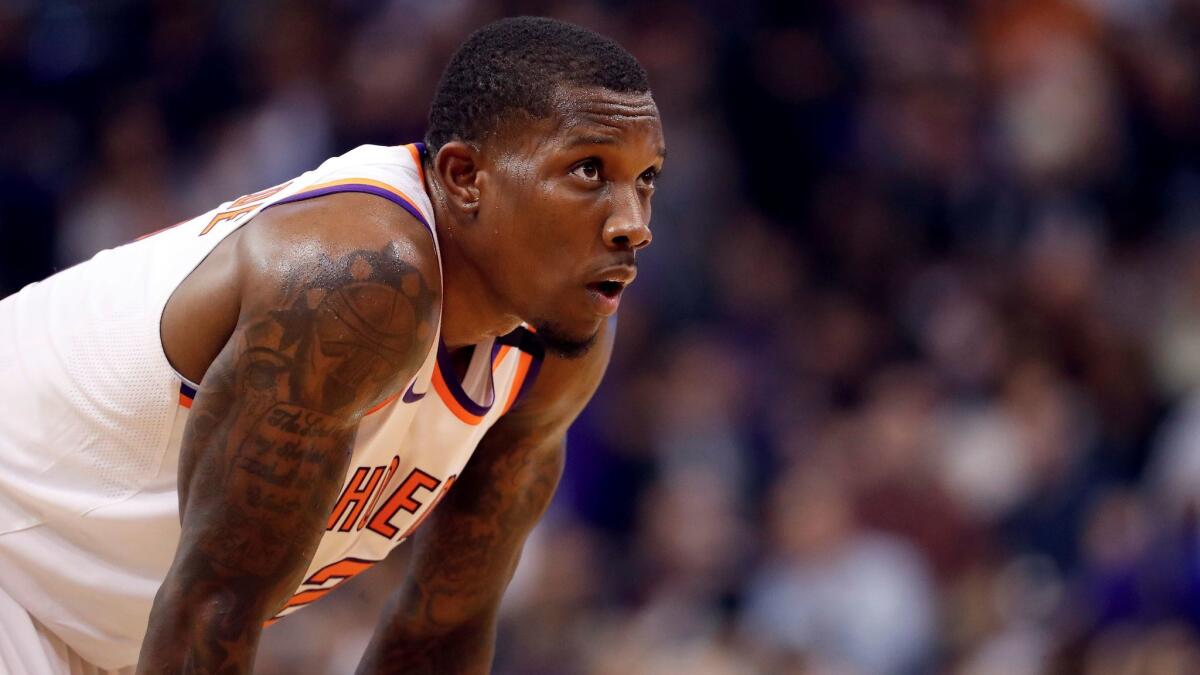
point(528, 223)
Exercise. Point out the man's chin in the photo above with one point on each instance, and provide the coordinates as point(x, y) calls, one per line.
point(563, 343)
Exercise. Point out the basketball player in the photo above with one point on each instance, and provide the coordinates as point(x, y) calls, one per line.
point(209, 429)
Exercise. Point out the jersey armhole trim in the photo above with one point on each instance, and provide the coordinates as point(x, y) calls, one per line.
point(366, 185)
point(532, 353)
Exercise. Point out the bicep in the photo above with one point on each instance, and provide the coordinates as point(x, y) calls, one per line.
point(257, 468)
point(272, 426)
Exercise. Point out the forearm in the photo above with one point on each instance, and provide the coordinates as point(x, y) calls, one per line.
point(466, 650)
point(442, 621)
point(200, 630)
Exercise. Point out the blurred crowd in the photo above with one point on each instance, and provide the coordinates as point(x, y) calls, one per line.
point(910, 382)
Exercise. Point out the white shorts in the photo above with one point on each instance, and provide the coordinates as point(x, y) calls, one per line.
point(28, 648)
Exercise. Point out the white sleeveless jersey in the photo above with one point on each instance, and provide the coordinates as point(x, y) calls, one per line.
point(92, 417)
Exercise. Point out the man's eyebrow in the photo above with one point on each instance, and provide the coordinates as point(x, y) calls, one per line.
point(576, 141)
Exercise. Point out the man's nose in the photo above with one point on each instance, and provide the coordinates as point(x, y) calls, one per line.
point(628, 226)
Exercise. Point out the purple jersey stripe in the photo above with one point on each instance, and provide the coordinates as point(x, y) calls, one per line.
point(450, 377)
point(357, 187)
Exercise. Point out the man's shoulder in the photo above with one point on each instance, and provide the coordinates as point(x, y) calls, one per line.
point(328, 234)
point(340, 242)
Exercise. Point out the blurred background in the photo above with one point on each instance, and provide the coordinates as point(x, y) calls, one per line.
point(908, 383)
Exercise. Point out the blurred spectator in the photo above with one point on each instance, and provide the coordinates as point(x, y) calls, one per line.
point(830, 589)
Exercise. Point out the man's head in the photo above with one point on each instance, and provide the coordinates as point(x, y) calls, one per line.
point(545, 145)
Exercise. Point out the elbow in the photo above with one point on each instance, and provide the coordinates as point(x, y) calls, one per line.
point(226, 607)
point(210, 627)
point(204, 608)
point(433, 618)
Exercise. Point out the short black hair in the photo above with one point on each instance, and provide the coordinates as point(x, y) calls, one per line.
point(515, 65)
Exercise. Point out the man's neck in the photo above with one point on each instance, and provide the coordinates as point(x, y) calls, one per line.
point(471, 310)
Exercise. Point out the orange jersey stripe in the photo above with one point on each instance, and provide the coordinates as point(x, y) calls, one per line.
point(500, 354)
point(519, 379)
point(185, 401)
point(386, 402)
point(299, 600)
point(365, 181)
point(416, 155)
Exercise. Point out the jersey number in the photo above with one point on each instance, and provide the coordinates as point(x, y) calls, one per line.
point(337, 572)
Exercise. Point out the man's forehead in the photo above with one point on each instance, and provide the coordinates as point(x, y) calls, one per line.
point(587, 116)
point(596, 116)
point(579, 106)
point(599, 100)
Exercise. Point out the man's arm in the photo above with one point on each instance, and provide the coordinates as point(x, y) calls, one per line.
point(325, 330)
point(442, 621)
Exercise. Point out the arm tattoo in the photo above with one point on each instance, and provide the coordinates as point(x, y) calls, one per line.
point(267, 446)
point(442, 620)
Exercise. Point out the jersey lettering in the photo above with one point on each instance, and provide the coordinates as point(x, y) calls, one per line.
point(241, 206)
point(402, 499)
point(354, 497)
point(358, 490)
point(387, 480)
point(364, 490)
point(432, 505)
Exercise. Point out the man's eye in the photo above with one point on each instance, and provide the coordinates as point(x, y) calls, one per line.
point(589, 170)
point(649, 176)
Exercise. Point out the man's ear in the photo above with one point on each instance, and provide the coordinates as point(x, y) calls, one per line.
point(457, 164)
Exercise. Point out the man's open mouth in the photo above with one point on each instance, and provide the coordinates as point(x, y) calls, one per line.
point(609, 289)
